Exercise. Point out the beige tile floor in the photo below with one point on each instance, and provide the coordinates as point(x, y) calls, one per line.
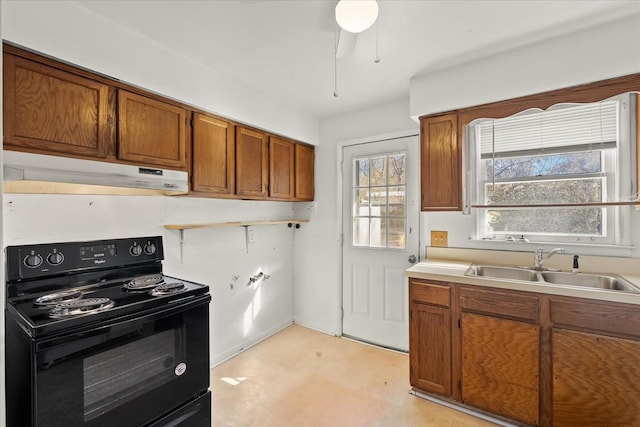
point(301, 377)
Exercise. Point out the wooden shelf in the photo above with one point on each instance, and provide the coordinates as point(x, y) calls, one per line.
point(245, 224)
point(234, 224)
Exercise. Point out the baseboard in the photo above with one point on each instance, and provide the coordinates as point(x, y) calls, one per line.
point(465, 409)
point(246, 344)
point(315, 326)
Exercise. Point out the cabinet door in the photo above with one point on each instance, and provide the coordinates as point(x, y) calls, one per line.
point(281, 168)
point(596, 380)
point(213, 155)
point(251, 164)
point(500, 366)
point(151, 132)
point(305, 174)
point(430, 348)
point(440, 166)
point(47, 109)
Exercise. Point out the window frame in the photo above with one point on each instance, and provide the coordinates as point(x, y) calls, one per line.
point(387, 217)
point(620, 178)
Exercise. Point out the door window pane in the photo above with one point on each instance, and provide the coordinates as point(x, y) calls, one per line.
point(379, 201)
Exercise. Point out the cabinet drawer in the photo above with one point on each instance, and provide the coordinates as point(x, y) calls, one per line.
point(430, 293)
point(612, 318)
point(508, 304)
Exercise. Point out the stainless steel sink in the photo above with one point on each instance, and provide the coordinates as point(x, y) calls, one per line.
point(599, 281)
point(498, 272)
point(611, 282)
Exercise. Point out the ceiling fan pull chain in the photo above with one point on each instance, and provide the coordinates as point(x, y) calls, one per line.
point(335, 62)
point(377, 60)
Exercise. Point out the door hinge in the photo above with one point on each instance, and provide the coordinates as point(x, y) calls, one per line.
point(410, 314)
point(341, 313)
point(341, 166)
point(459, 324)
point(341, 239)
point(459, 384)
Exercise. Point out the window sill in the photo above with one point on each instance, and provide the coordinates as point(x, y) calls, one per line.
point(581, 248)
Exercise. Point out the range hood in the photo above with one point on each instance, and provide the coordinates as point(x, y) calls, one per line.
point(39, 173)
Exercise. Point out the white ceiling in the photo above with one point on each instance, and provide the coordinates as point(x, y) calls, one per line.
point(285, 49)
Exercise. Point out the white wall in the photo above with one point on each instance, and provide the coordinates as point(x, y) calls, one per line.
point(557, 63)
point(213, 256)
point(72, 33)
point(318, 257)
point(598, 53)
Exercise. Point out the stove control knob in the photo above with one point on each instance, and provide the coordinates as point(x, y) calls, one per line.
point(149, 248)
point(33, 260)
point(135, 250)
point(55, 258)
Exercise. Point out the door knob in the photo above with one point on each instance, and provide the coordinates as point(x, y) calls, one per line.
point(412, 259)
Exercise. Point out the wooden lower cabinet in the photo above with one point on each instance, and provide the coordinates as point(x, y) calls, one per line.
point(596, 380)
point(430, 348)
point(430, 337)
point(536, 359)
point(500, 366)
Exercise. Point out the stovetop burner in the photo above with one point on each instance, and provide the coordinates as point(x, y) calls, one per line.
point(58, 298)
point(168, 289)
point(59, 287)
point(144, 283)
point(80, 307)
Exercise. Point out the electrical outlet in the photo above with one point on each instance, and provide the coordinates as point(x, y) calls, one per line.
point(439, 238)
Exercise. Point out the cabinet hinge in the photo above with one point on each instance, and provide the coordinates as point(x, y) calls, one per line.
point(459, 324)
point(341, 166)
point(459, 384)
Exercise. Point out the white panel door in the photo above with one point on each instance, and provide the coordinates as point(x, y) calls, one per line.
point(380, 227)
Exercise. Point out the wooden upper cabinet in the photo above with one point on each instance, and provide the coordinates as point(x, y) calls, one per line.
point(440, 166)
point(46, 109)
point(251, 163)
point(151, 132)
point(281, 168)
point(305, 159)
point(213, 168)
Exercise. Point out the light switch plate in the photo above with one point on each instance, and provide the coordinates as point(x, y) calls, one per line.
point(439, 238)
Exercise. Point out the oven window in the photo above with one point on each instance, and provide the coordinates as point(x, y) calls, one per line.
point(119, 375)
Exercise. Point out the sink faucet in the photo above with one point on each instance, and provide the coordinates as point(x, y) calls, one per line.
point(539, 258)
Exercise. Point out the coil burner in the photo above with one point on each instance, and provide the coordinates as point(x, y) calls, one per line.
point(58, 298)
point(80, 307)
point(144, 283)
point(168, 289)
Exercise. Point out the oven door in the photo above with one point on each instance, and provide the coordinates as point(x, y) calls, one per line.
point(128, 373)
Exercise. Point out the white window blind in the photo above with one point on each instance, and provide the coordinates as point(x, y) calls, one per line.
point(574, 127)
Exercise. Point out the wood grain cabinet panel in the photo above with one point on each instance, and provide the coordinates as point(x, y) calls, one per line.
point(281, 168)
point(500, 303)
point(55, 111)
point(213, 157)
point(251, 163)
point(430, 293)
point(500, 366)
point(151, 132)
point(430, 348)
point(440, 165)
point(305, 172)
point(596, 380)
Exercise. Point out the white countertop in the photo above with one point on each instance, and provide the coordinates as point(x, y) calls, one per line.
point(453, 272)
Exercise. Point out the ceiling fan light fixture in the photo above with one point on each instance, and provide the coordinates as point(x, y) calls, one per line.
point(356, 16)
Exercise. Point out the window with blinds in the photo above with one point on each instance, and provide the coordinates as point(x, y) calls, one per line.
point(548, 173)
